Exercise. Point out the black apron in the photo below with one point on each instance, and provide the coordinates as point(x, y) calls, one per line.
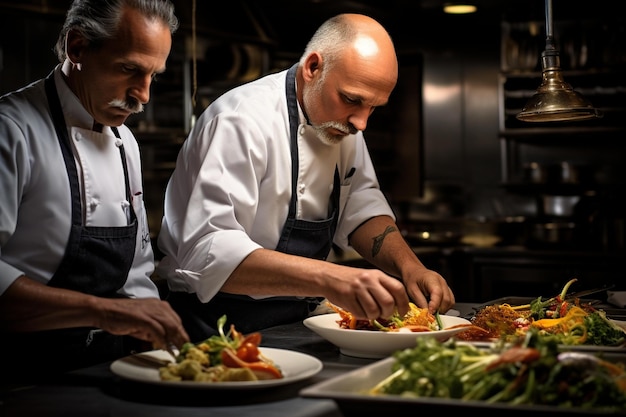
point(96, 261)
point(311, 239)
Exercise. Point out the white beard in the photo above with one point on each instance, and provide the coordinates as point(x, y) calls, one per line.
point(321, 130)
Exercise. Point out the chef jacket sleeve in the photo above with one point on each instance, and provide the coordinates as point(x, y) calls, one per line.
point(14, 171)
point(211, 204)
point(361, 197)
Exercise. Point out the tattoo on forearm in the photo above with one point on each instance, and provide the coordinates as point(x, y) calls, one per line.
point(378, 240)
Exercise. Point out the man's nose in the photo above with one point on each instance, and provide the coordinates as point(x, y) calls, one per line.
point(141, 90)
point(359, 119)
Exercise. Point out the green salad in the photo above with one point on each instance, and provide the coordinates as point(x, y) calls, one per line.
point(531, 371)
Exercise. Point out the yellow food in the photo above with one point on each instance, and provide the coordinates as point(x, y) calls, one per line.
point(416, 319)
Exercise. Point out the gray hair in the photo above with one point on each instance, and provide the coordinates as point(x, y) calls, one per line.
point(330, 39)
point(98, 20)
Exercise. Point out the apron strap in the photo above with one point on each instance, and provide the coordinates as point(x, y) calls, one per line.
point(64, 140)
point(292, 109)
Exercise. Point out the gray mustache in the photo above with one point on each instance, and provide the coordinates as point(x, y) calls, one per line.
point(131, 106)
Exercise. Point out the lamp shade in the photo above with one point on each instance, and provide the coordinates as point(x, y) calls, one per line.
point(556, 100)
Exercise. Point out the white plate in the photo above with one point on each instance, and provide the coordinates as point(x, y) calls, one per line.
point(371, 343)
point(620, 323)
point(295, 366)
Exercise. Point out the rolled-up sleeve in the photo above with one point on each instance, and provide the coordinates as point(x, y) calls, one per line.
point(361, 197)
point(211, 213)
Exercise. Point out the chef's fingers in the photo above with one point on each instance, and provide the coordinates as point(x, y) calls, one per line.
point(151, 320)
point(400, 298)
point(432, 291)
point(384, 298)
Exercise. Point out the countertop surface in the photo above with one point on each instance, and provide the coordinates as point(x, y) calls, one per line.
point(96, 391)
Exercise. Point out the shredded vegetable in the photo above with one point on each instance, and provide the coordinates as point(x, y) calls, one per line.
point(569, 322)
point(416, 320)
point(531, 371)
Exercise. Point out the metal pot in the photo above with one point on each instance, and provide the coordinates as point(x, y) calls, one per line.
point(503, 231)
point(559, 205)
point(535, 173)
point(566, 172)
point(435, 238)
point(553, 234)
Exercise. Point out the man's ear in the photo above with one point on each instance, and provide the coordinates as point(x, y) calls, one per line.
point(75, 44)
point(312, 65)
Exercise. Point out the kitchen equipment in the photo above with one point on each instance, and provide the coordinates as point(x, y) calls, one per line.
point(567, 172)
point(480, 232)
point(535, 173)
point(555, 100)
point(563, 172)
point(588, 292)
point(559, 205)
point(433, 238)
point(492, 231)
point(441, 200)
point(552, 234)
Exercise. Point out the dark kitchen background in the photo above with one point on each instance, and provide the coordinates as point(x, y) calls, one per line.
point(498, 206)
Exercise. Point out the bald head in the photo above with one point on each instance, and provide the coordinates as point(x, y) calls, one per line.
point(354, 35)
point(366, 35)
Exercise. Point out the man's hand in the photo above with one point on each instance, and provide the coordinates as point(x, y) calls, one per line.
point(151, 319)
point(367, 293)
point(29, 306)
point(429, 289)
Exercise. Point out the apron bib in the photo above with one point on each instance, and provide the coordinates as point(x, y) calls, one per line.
point(97, 259)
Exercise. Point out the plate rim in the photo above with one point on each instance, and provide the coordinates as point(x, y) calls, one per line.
point(315, 366)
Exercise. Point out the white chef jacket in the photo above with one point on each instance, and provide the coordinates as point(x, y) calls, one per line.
point(35, 207)
point(229, 194)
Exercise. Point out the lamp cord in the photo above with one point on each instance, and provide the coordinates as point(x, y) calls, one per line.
point(549, 32)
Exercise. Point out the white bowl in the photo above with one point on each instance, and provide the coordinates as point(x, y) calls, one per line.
point(376, 344)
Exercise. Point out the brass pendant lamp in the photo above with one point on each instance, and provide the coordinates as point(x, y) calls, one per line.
point(555, 100)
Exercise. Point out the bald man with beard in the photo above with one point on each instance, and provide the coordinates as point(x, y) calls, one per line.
point(273, 174)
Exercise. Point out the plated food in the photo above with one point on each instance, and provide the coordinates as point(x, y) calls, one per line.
point(229, 360)
point(144, 368)
point(415, 320)
point(531, 375)
point(228, 356)
point(531, 371)
point(379, 342)
point(567, 320)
